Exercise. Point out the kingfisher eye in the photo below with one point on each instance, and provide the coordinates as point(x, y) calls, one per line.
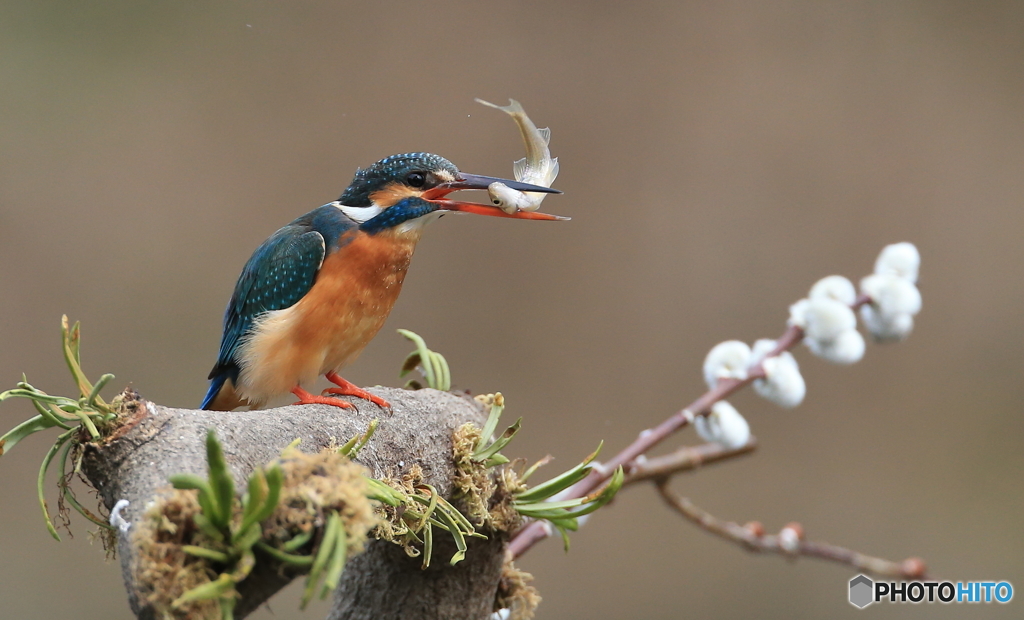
point(416, 179)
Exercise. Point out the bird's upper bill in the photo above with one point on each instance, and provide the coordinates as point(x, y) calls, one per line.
point(438, 195)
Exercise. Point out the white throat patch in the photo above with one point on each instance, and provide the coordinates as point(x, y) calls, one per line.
point(418, 223)
point(359, 214)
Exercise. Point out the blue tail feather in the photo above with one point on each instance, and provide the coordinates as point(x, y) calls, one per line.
point(215, 386)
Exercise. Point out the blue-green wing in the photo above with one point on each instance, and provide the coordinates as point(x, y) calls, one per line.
point(279, 274)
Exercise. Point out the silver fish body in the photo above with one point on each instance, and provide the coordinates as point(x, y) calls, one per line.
point(537, 168)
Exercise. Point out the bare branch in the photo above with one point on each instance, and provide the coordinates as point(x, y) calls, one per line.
point(753, 538)
point(685, 459)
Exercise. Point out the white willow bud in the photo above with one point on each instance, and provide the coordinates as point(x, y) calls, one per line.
point(798, 313)
point(846, 348)
point(783, 384)
point(899, 259)
point(825, 319)
point(723, 425)
point(761, 348)
point(834, 287)
point(886, 327)
point(892, 294)
point(790, 537)
point(726, 360)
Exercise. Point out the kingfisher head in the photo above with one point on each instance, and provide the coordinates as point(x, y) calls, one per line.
point(409, 190)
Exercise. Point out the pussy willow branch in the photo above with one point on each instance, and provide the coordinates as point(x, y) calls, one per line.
point(752, 540)
point(538, 530)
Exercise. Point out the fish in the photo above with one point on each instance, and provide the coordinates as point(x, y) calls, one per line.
point(537, 168)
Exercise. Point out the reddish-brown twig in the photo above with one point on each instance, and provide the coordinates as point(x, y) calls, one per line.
point(684, 459)
point(753, 538)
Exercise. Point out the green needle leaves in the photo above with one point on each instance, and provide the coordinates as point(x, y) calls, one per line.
point(328, 562)
point(536, 503)
point(61, 411)
point(412, 517)
point(533, 503)
point(88, 413)
point(72, 341)
point(559, 483)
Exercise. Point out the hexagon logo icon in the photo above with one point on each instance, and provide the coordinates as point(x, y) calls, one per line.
point(860, 591)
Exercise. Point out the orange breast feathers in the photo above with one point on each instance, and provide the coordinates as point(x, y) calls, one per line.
point(329, 327)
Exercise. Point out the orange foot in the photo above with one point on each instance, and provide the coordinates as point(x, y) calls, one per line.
point(305, 398)
point(346, 388)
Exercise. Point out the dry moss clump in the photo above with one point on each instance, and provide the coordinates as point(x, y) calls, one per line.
point(486, 492)
point(391, 525)
point(502, 513)
point(316, 485)
point(163, 571)
point(515, 593)
point(472, 480)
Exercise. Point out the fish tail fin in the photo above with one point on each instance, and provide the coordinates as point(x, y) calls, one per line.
point(513, 106)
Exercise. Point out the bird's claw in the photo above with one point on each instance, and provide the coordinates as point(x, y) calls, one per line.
point(377, 400)
point(306, 398)
point(347, 388)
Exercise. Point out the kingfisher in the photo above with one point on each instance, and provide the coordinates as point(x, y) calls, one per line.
point(315, 293)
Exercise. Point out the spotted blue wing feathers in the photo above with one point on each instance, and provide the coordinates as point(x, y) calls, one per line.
point(278, 275)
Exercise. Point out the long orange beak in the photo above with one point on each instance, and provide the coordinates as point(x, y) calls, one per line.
point(476, 181)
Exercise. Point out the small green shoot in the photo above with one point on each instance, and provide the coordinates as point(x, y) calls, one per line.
point(354, 445)
point(525, 476)
point(432, 365)
point(488, 454)
point(232, 524)
point(232, 527)
point(61, 411)
point(223, 587)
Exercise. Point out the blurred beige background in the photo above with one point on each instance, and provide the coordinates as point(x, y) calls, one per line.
point(717, 158)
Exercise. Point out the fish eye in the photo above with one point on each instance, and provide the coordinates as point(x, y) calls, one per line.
point(416, 179)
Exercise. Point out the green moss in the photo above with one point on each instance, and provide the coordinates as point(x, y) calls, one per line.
point(163, 571)
point(314, 486)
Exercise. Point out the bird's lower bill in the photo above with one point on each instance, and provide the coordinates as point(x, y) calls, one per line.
point(480, 209)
